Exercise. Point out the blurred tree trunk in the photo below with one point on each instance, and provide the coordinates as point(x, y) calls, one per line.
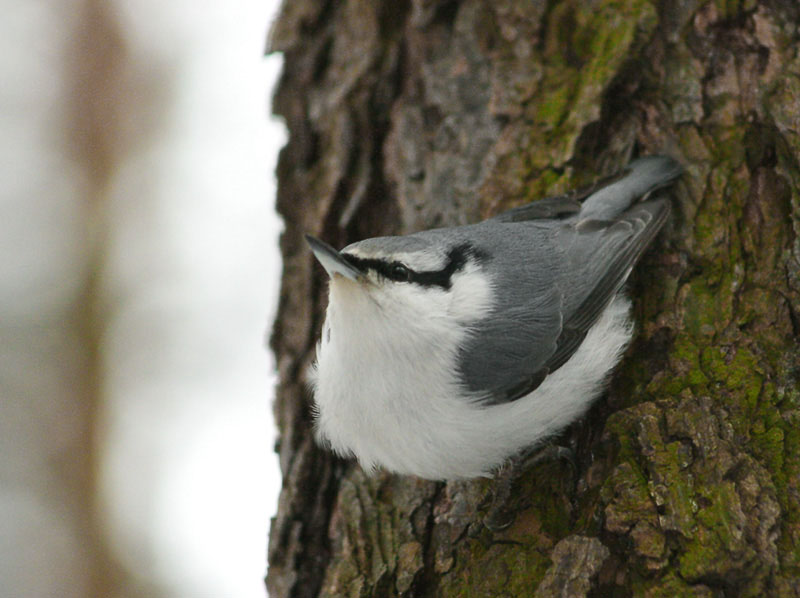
point(57, 58)
point(408, 115)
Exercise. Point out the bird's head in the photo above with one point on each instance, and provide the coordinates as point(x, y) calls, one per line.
point(415, 275)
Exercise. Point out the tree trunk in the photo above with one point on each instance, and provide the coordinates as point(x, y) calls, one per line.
point(409, 115)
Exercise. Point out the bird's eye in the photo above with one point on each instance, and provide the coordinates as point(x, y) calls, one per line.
point(400, 273)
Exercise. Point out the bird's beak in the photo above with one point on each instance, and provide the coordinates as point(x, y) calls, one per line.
point(332, 260)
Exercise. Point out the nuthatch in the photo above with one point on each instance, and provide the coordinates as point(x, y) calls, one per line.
point(447, 351)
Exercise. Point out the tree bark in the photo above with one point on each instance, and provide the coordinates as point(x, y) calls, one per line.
point(409, 115)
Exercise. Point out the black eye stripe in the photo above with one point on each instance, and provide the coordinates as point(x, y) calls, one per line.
point(391, 270)
point(399, 272)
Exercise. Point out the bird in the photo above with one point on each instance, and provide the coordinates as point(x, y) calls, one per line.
point(445, 352)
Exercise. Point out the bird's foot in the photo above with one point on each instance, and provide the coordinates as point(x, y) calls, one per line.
point(500, 516)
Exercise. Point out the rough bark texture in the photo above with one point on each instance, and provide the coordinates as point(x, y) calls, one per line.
point(408, 115)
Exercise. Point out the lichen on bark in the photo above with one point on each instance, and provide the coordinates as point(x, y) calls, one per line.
point(407, 115)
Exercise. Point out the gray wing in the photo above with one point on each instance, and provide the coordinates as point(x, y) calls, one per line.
point(552, 298)
point(500, 360)
point(627, 238)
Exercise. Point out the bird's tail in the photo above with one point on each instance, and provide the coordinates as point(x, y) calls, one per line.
point(642, 177)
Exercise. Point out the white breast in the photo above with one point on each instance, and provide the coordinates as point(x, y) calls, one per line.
point(386, 388)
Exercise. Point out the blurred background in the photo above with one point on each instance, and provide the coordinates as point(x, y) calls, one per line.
point(138, 277)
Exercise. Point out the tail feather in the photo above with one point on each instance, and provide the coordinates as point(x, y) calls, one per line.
point(644, 176)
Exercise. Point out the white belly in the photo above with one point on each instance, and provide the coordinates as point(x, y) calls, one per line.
point(383, 400)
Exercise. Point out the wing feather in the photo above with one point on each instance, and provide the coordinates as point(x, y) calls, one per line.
point(562, 266)
point(525, 341)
